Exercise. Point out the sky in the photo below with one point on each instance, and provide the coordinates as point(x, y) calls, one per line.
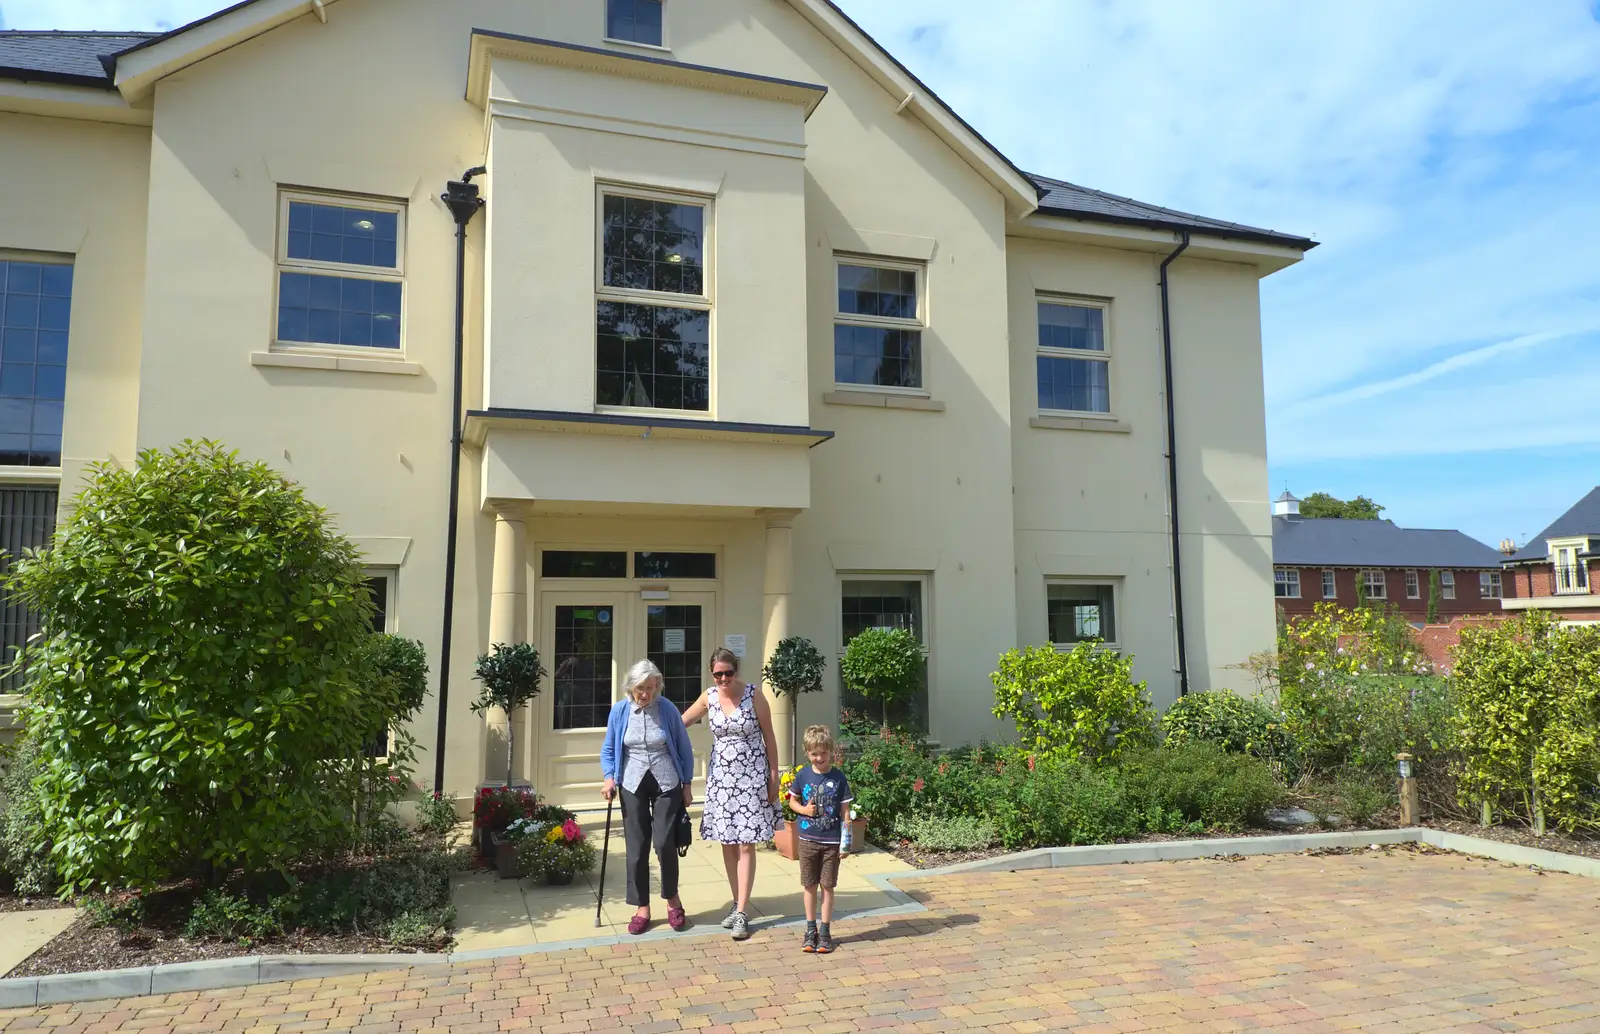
point(1439, 352)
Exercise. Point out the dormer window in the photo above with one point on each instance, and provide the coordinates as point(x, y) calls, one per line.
point(634, 21)
point(1570, 574)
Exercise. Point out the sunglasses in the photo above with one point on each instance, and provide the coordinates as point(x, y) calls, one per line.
point(723, 674)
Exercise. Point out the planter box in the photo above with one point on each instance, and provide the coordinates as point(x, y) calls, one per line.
point(858, 834)
point(505, 857)
point(787, 841)
point(486, 842)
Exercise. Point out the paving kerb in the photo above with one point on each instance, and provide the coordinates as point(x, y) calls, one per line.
point(257, 969)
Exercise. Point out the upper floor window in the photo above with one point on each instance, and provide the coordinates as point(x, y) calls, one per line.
point(634, 21)
point(1286, 583)
point(1413, 586)
point(35, 302)
point(1376, 583)
point(340, 272)
point(1571, 571)
point(1447, 585)
point(1489, 585)
point(653, 304)
point(1074, 362)
point(1329, 590)
point(877, 331)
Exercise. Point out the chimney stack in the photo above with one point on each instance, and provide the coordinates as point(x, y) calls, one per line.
point(1507, 547)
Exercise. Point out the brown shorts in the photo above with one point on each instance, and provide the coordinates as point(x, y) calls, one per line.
point(819, 863)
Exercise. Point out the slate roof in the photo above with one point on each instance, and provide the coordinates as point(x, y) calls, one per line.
point(1582, 519)
point(1343, 542)
point(1058, 197)
point(68, 58)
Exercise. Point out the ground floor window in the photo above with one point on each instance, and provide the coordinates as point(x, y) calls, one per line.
point(27, 520)
point(885, 603)
point(1489, 584)
point(1447, 584)
point(1376, 583)
point(1083, 611)
point(380, 585)
point(1329, 589)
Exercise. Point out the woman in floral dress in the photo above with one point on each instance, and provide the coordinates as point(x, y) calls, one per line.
point(741, 804)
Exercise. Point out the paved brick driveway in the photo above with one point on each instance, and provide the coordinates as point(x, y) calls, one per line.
point(1382, 941)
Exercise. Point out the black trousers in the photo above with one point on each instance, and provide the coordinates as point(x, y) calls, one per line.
point(650, 817)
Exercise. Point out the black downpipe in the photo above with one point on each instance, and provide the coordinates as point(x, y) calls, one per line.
point(1172, 472)
point(461, 197)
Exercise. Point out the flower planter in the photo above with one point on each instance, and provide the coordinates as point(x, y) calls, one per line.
point(558, 879)
point(787, 841)
point(505, 857)
point(858, 834)
point(487, 843)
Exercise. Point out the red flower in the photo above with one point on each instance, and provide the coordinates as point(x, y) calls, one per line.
point(944, 767)
point(874, 764)
point(918, 785)
point(1030, 762)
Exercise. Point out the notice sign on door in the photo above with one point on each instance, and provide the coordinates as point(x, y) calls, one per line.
point(672, 640)
point(734, 643)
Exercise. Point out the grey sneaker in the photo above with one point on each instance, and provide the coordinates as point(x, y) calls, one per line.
point(727, 920)
point(741, 927)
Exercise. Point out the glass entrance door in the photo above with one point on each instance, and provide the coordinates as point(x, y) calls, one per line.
point(594, 638)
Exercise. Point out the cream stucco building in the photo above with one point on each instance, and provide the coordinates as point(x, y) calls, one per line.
point(759, 339)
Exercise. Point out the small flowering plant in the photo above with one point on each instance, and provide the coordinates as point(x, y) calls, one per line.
point(785, 781)
point(556, 851)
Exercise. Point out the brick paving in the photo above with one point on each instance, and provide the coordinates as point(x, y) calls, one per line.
point(1377, 941)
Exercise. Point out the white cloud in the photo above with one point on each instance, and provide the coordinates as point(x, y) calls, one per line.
point(133, 15)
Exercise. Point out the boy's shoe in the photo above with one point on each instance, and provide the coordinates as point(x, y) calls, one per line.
point(727, 920)
point(825, 942)
point(741, 926)
point(809, 945)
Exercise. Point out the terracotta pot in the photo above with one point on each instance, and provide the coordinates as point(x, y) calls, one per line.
point(787, 841)
point(858, 834)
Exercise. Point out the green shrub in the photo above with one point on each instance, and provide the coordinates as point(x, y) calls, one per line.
point(24, 845)
point(884, 776)
point(1203, 784)
point(941, 833)
point(221, 915)
point(883, 664)
point(1527, 720)
point(1083, 703)
point(436, 815)
point(1359, 720)
point(1051, 800)
point(1240, 725)
point(366, 899)
point(1359, 796)
point(510, 674)
point(202, 695)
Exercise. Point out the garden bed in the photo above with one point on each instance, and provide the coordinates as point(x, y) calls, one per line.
point(85, 947)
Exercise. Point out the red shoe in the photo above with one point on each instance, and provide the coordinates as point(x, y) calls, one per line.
point(638, 924)
point(677, 918)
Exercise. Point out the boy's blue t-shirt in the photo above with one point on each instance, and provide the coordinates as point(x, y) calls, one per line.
point(830, 791)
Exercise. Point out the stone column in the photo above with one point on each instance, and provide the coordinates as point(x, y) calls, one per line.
point(508, 623)
point(777, 586)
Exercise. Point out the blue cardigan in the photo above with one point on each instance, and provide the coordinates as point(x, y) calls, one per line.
point(613, 755)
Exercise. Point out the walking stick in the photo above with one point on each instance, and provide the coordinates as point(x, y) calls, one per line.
point(605, 851)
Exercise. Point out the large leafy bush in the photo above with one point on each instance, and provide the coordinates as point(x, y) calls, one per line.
point(24, 846)
point(1527, 720)
point(203, 690)
point(1240, 725)
point(1082, 704)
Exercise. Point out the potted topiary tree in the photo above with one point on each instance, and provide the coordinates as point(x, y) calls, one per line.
point(883, 664)
point(796, 667)
point(510, 674)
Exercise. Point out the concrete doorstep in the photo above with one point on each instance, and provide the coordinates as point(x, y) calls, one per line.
point(201, 976)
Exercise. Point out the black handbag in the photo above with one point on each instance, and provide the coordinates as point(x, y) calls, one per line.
point(684, 834)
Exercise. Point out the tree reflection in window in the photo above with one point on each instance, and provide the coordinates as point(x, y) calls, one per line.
point(653, 356)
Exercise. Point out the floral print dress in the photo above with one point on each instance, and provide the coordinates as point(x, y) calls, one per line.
point(737, 808)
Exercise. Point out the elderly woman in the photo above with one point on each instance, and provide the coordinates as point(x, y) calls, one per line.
point(648, 756)
point(741, 778)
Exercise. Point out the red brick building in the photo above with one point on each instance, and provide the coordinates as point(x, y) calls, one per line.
point(1323, 559)
point(1559, 569)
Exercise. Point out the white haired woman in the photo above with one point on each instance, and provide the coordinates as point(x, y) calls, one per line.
point(648, 756)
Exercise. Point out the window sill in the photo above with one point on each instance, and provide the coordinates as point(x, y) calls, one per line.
point(882, 400)
point(345, 363)
point(1071, 423)
point(655, 47)
point(30, 475)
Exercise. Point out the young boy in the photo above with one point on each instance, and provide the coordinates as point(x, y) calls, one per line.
point(819, 795)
